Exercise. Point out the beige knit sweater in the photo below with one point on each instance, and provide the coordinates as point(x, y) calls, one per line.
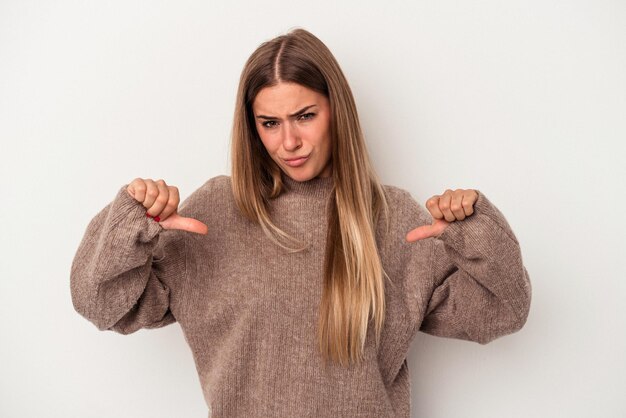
point(248, 309)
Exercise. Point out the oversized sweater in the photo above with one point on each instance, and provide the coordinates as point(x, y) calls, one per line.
point(249, 310)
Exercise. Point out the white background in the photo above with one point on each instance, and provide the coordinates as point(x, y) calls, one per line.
point(523, 100)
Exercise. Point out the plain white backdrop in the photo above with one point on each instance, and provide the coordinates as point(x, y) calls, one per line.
point(523, 100)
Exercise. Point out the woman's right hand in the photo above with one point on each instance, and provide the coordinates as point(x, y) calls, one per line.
point(162, 200)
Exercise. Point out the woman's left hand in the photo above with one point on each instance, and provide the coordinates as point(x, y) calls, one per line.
point(452, 205)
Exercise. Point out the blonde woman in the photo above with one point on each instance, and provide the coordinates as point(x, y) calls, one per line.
point(300, 280)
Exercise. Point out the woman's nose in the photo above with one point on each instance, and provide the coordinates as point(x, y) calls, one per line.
point(291, 139)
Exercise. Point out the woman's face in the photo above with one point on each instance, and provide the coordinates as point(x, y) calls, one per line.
point(293, 122)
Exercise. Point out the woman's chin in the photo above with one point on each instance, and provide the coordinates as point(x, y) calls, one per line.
point(299, 175)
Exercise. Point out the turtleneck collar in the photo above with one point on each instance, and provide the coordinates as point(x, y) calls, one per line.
point(318, 187)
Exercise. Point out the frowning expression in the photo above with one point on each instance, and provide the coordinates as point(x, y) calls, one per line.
point(293, 123)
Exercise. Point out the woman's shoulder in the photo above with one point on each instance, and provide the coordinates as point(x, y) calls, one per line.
point(219, 183)
point(214, 193)
point(404, 209)
point(395, 192)
point(399, 198)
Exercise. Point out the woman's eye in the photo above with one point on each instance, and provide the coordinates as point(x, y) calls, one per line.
point(272, 123)
point(307, 116)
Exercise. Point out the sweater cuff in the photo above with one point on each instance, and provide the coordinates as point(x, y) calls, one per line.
point(471, 229)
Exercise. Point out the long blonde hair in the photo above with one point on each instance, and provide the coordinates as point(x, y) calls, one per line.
point(354, 288)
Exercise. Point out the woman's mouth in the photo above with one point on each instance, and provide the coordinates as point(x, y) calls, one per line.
point(296, 162)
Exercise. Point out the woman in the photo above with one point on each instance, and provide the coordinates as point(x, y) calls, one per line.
point(300, 281)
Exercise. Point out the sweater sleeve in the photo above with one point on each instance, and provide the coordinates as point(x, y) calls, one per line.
point(127, 268)
point(480, 287)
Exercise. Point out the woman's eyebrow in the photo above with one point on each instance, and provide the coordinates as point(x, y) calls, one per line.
point(299, 112)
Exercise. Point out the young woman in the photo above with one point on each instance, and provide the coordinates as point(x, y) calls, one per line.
point(300, 280)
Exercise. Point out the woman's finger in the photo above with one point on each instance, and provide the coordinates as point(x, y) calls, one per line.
point(456, 205)
point(432, 205)
point(172, 203)
point(421, 232)
point(468, 204)
point(175, 221)
point(152, 192)
point(427, 231)
point(161, 200)
point(137, 189)
point(444, 205)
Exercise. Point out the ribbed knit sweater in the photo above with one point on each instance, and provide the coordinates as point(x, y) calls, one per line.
point(249, 310)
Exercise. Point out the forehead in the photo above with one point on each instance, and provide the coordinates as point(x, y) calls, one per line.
point(285, 98)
